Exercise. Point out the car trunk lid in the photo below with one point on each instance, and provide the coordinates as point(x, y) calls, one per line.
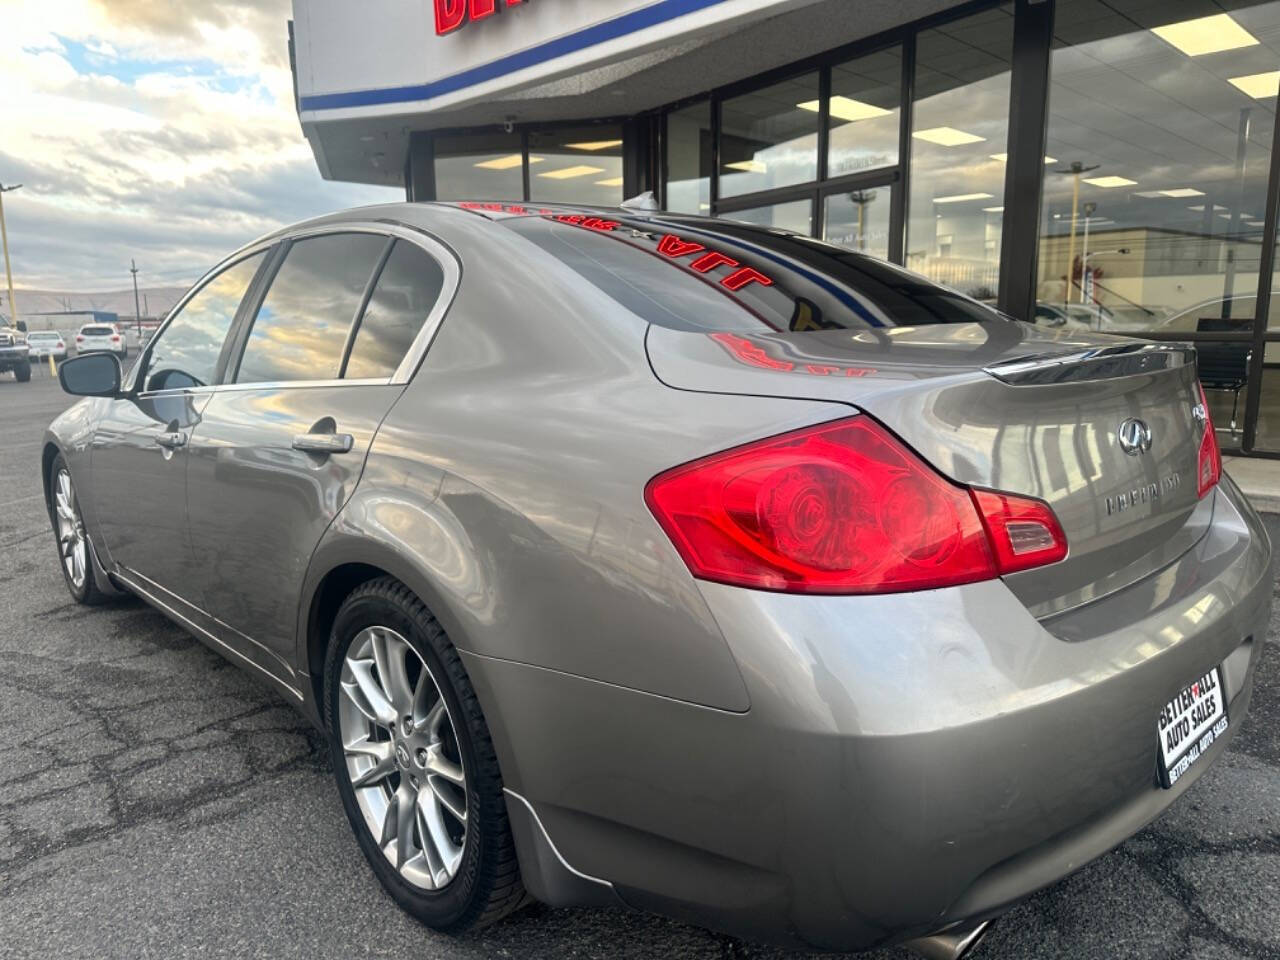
point(1004, 406)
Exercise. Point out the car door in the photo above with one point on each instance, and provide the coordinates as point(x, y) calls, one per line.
point(281, 445)
point(139, 454)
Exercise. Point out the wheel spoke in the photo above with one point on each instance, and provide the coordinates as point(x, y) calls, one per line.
point(441, 766)
point(77, 561)
point(405, 805)
point(447, 798)
point(388, 654)
point(435, 717)
point(390, 820)
point(384, 764)
point(369, 697)
point(439, 848)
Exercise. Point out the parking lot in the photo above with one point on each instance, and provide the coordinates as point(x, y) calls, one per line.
point(156, 801)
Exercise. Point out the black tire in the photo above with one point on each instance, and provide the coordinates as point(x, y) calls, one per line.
point(23, 371)
point(87, 593)
point(487, 885)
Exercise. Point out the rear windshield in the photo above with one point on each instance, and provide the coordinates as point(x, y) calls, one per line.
point(705, 275)
point(97, 331)
point(41, 335)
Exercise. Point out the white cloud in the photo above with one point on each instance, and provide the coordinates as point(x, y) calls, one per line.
point(160, 131)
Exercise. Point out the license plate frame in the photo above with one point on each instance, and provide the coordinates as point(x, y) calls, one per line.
point(1191, 722)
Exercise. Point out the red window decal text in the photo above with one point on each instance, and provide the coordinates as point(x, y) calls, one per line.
point(709, 261)
point(740, 278)
point(673, 246)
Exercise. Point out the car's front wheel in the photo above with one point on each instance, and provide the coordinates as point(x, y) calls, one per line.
point(75, 553)
point(23, 371)
point(415, 764)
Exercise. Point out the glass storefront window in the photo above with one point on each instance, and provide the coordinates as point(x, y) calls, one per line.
point(859, 220)
point(689, 159)
point(959, 135)
point(1153, 206)
point(486, 166)
point(578, 165)
point(769, 138)
point(866, 96)
point(794, 215)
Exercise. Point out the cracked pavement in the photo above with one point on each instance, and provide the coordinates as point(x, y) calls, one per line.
point(155, 801)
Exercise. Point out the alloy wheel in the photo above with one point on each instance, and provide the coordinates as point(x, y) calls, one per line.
point(72, 544)
point(402, 757)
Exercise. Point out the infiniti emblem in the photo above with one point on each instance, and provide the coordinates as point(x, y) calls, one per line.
point(1134, 436)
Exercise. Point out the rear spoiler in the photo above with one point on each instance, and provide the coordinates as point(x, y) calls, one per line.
point(1100, 363)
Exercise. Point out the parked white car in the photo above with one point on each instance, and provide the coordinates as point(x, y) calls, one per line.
point(46, 343)
point(99, 337)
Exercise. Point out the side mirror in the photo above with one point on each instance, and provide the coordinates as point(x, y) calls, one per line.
point(22, 326)
point(92, 375)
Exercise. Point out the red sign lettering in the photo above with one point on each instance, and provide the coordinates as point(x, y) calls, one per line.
point(452, 14)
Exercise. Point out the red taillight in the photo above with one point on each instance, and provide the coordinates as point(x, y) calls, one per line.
point(842, 507)
point(115, 337)
point(61, 345)
point(1024, 532)
point(79, 337)
point(1209, 460)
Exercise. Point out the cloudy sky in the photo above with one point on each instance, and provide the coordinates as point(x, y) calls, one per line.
point(162, 130)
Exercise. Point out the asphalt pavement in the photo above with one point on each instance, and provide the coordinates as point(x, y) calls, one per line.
point(155, 801)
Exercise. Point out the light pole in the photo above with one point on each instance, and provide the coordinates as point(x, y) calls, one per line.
point(1089, 208)
point(1075, 170)
point(137, 311)
point(4, 240)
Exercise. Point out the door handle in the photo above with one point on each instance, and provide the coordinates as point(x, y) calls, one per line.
point(324, 442)
point(172, 439)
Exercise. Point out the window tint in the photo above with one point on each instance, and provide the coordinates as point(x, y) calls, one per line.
point(186, 353)
point(727, 276)
point(99, 331)
point(301, 327)
point(407, 289)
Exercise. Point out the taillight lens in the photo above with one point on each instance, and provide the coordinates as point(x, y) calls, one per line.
point(842, 507)
point(1024, 532)
point(1209, 460)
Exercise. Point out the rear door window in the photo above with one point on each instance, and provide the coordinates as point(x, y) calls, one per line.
point(186, 353)
point(300, 331)
point(406, 290)
point(721, 275)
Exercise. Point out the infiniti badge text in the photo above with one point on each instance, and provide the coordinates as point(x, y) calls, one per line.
point(1144, 494)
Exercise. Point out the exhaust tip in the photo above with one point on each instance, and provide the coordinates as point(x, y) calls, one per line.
point(951, 945)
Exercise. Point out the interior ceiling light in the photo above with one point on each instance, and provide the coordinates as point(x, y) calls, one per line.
point(749, 166)
point(611, 182)
point(568, 173)
point(947, 136)
point(993, 209)
point(503, 163)
point(594, 145)
point(961, 197)
point(846, 108)
point(1107, 183)
point(1004, 158)
point(1260, 86)
point(1181, 192)
point(1206, 35)
point(1200, 207)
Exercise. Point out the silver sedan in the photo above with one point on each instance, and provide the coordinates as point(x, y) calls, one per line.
point(639, 559)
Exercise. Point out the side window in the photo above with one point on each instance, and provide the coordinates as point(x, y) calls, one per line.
point(186, 353)
point(301, 328)
point(407, 289)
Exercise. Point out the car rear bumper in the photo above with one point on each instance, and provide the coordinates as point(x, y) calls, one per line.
point(908, 762)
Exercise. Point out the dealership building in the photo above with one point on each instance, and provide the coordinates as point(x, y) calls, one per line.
point(1101, 164)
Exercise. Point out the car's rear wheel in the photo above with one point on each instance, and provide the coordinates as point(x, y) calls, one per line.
point(415, 764)
point(75, 553)
point(23, 371)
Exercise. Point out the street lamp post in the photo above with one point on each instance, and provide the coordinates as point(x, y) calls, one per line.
point(4, 241)
point(1089, 209)
point(1076, 169)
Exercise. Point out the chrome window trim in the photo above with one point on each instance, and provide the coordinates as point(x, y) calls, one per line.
point(446, 258)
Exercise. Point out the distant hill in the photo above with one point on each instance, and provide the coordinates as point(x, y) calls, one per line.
point(156, 301)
